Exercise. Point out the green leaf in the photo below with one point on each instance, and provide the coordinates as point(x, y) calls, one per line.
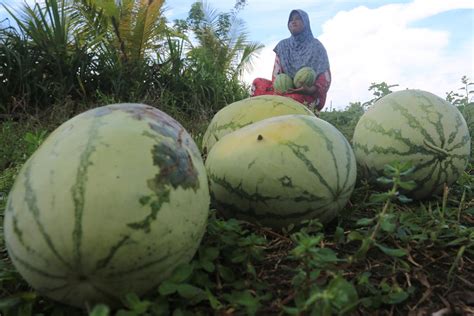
point(100, 310)
point(380, 197)
point(366, 244)
point(390, 169)
point(392, 252)
point(396, 297)
point(363, 278)
point(181, 273)
point(355, 235)
point(325, 255)
point(339, 235)
point(167, 287)
point(407, 185)
point(244, 298)
point(315, 296)
point(226, 273)
point(191, 292)
point(384, 180)
point(132, 299)
point(407, 169)
point(251, 269)
point(404, 199)
point(365, 221)
point(133, 302)
point(387, 223)
point(160, 307)
point(209, 253)
point(202, 278)
point(238, 256)
point(207, 265)
point(457, 241)
point(343, 293)
point(215, 303)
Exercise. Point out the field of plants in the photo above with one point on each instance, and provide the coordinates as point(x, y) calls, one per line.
point(384, 254)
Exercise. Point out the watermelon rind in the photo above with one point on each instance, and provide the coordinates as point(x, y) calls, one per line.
point(415, 127)
point(283, 83)
point(247, 111)
point(281, 171)
point(304, 77)
point(110, 203)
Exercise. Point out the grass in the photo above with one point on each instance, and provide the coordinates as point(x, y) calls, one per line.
point(382, 256)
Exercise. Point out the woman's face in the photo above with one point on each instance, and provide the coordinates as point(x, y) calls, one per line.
point(295, 25)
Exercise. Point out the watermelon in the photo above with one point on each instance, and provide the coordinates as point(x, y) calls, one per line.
point(281, 171)
point(417, 127)
point(467, 112)
point(247, 111)
point(282, 83)
point(110, 203)
point(304, 77)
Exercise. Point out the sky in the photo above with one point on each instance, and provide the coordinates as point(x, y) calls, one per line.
point(417, 44)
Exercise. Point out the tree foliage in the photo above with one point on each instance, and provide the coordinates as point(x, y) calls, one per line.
point(97, 51)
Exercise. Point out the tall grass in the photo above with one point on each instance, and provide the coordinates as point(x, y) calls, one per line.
point(92, 52)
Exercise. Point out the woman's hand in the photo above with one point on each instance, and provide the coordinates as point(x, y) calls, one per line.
point(303, 90)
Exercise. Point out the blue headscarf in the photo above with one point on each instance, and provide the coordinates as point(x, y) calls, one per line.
point(302, 50)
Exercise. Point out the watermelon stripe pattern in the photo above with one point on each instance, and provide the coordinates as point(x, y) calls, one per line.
point(417, 127)
point(283, 83)
point(109, 204)
point(282, 170)
point(245, 112)
point(78, 191)
point(31, 201)
point(304, 77)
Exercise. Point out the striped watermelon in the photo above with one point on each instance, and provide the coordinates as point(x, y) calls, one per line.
point(282, 170)
point(304, 77)
point(248, 111)
point(282, 83)
point(418, 127)
point(111, 202)
point(468, 114)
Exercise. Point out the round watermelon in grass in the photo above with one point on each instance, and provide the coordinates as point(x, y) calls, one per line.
point(244, 112)
point(416, 127)
point(281, 171)
point(110, 203)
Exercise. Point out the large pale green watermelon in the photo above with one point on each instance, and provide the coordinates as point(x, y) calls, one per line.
point(244, 112)
point(418, 127)
point(282, 170)
point(282, 83)
point(110, 203)
point(304, 77)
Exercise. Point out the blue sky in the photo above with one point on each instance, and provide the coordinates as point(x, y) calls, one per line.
point(422, 44)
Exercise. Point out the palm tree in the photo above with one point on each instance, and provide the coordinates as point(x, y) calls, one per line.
point(222, 37)
point(49, 59)
point(128, 28)
point(123, 34)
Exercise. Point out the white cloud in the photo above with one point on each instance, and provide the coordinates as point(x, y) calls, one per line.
point(374, 45)
point(262, 64)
